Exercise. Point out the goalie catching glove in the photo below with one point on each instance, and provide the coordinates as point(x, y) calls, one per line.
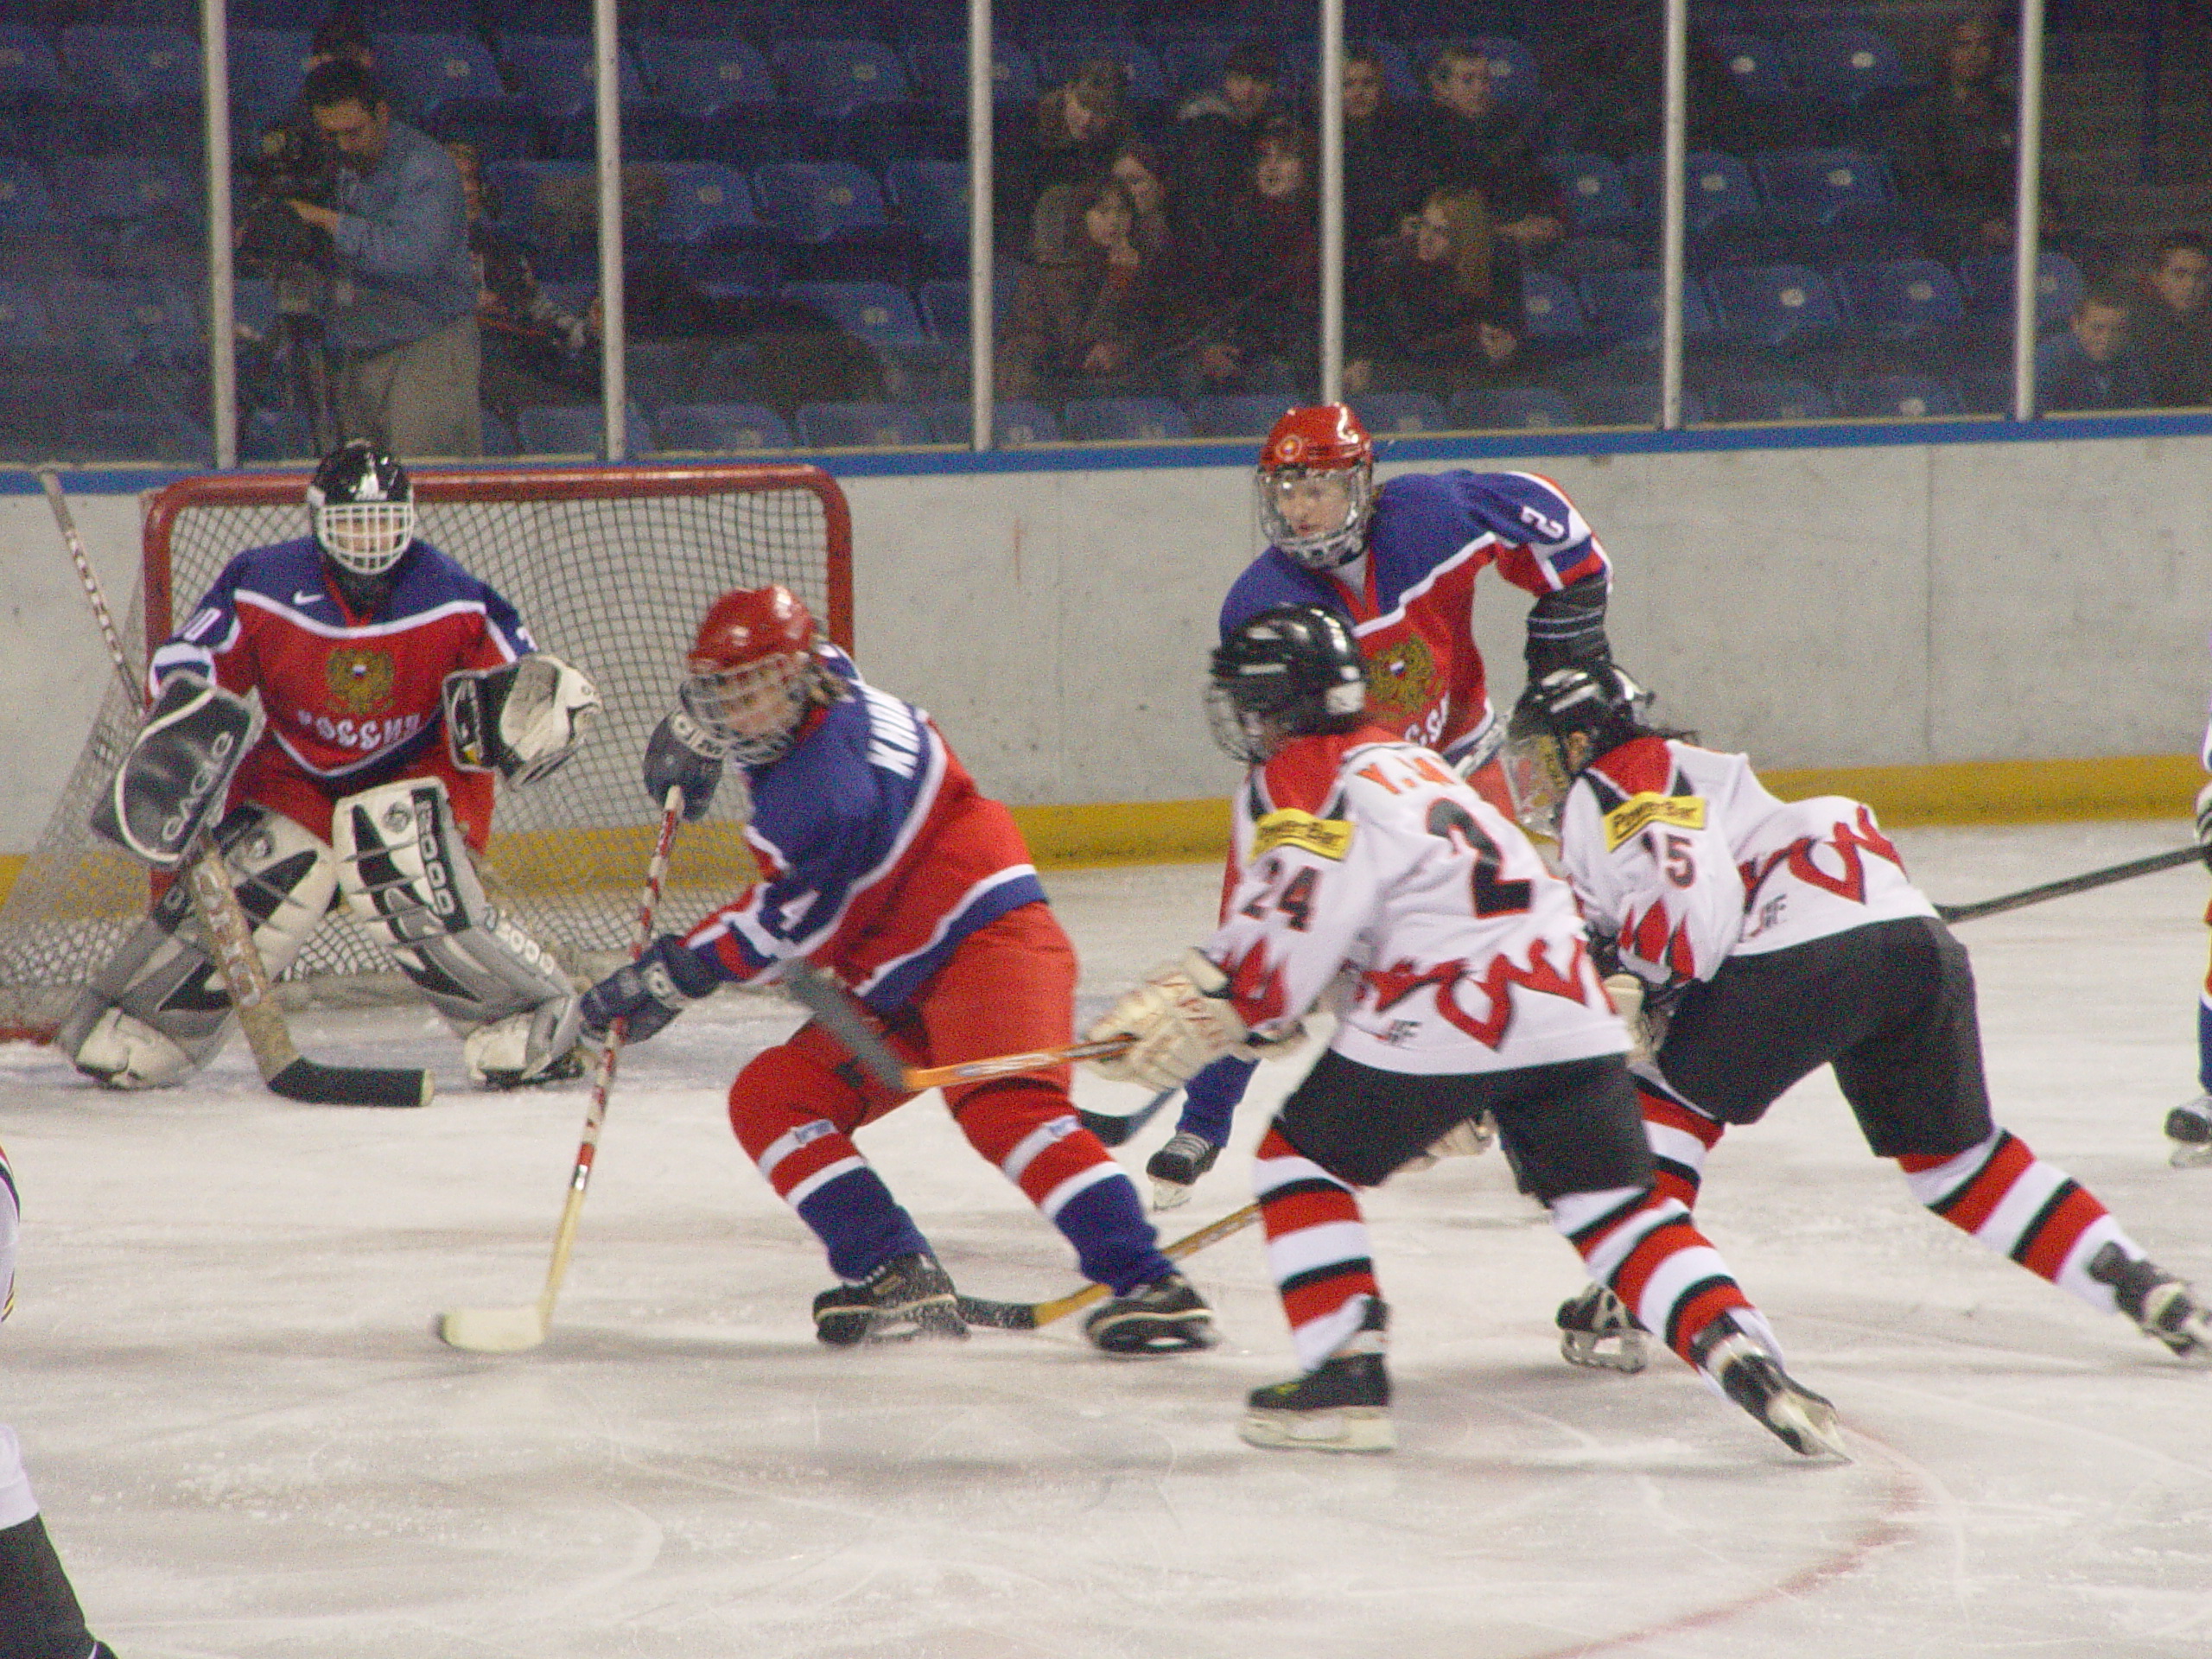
point(178, 773)
point(523, 720)
point(647, 993)
point(1179, 1022)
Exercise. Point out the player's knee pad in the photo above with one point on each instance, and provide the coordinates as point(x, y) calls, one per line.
point(409, 879)
point(157, 1011)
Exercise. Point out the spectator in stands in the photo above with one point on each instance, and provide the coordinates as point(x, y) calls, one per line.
point(1953, 147)
point(1257, 297)
point(1216, 135)
point(2170, 324)
point(1136, 164)
point(2089, 365)
point(1080, 127)
point(1082, 309)
point(1443, 309)
point(1376, 199)
point(1462, 137)
point(401, 313)
point(534, 353)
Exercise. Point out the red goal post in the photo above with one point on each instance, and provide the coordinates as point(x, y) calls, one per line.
point(611, 569)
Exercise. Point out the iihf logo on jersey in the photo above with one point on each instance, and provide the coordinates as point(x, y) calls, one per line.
point(1402, 679)
point(360, 679)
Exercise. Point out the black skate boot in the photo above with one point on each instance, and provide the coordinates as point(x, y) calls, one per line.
point(1754, 1379)
point(1595, 1328)
point(1175, 1168)
point(2163, 1307)
point(1343, 1407)
point(2189, 1126)
point(908, 1296)
point(1165, 1317)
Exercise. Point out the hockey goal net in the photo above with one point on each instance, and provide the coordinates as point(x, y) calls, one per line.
point(611, 568)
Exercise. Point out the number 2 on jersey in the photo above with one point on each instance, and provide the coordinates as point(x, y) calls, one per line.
point(1449, 819)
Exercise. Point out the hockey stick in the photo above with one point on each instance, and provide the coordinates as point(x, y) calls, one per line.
point(2083, 883)
point(230, 932)
point(1027, 1316)
point(510, 1330)
point(1115, 1131)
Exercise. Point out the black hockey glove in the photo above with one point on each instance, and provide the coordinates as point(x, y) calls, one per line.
point(682, 754)
point(648, 992)
point(1567, 629)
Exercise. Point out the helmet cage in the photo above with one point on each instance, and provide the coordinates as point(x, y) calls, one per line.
point(754, 707)
point(1539, 771)
point(1328, 548)
point(366, 537)
point(1288, 671)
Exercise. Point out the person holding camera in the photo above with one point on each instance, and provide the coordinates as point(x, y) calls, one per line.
point(401, 322)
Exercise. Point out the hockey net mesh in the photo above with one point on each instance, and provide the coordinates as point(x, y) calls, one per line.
point(611, 569)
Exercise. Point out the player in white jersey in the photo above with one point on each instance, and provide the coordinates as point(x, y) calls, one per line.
point(1366, 857)
point(39, 1615)
point(2189, 1126)
point(1773, 937)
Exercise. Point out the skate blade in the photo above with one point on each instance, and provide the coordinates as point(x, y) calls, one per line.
point(1169, 1195)
point(1348, 1428)
point(1626, 1352)
point(2191, 1154)
point(1807, 1426)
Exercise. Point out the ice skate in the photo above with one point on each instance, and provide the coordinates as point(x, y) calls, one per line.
point(1345, 1406)
point(908, 1296)
point(1175, 1168)
point(1596, 1330)
point(2163, 1307)
point(2189, 1126)
point(1754, 1379)
point(1165, 1317)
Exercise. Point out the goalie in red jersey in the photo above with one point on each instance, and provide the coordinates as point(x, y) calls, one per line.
point(394, 686)
point(1772, 938)
point(1365, 857)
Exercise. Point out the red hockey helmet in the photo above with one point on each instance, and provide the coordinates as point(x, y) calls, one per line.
point(1317, 485)
point(754, 671)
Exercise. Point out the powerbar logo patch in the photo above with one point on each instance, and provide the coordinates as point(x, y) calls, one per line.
point(1329, 838)
point(1639, 812)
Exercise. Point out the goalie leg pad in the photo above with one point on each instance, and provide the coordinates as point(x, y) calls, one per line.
point(409, 881)
point(157, 1011)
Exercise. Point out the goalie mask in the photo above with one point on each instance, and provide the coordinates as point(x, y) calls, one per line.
point(1317, 485)
point(362, 506)
point(754, 673)
point(1563, 722)
point(1287, 672)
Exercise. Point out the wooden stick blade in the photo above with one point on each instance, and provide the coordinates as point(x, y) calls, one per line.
point(493, 1330)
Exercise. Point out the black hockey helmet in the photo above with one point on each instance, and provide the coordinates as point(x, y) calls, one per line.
point(362, 505)
point(1563, 722)
point(1287, 672)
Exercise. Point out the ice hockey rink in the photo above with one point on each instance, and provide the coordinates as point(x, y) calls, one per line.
point(248, 1444)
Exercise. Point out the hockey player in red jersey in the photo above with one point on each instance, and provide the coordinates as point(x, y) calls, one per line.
point(1365, 857)
point(882, 864)
point(1774, 937)
point(394, 685)
point(1399, 563)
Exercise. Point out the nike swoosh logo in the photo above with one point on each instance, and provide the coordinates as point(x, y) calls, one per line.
point(305, 599)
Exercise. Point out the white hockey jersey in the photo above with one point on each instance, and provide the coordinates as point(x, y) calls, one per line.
point(1681, 855)
point(1364, 854)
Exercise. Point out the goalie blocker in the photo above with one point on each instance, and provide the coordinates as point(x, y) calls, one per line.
point(177, 773)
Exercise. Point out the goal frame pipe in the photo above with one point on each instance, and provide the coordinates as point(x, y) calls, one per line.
point(457, 484)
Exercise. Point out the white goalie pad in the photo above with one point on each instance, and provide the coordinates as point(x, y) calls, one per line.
point(177, 773)
point(523, 720)
point(157, 1011)
point(409, 879)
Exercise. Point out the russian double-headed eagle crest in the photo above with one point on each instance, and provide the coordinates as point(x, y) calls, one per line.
point(360, 679)
point(1402, 679)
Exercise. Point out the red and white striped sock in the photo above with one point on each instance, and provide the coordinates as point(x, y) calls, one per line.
point(1317, 1248)
point(2000, 1191)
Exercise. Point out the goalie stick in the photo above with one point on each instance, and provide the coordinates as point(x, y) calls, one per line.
point(1028, 1316)
point(511, 1330)
point(230, 932)
point(2082, 883)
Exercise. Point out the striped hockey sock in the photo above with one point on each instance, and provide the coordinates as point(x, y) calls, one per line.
point(2000, 1191)
point(1680, 1139)
point(1317, 1248)
point(818, 1170)
point(1643, 1246)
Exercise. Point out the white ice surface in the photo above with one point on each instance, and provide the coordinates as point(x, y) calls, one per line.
point(248, 1444)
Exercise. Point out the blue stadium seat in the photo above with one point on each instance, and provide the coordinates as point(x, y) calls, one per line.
point(721, 426)
point(705, 203)
point(1598, 198)
point(1058, 58)
point(554, 72)
point(1853, 68)
point(132, 66)
point(27, 67)
point(939, 72)
point(1511, 408)
point(1885, 397)
point(1623, 307)
point(1722, 201)
point(875, 312)
point(575, 429)
point(1606, 404)
point(1768, 400)
point(1015, 423)
point(815, 199)
point(945, 303)
point(131, 320)
point(425, 72)
point(1772, 305)
point(862, 426)
point(267, 65)
point(276, 434)
point(27, 336)
point(129, 195)
point(1989, 280)
point(1399, 414)
point(710, 79)
point(1554, 316)
point(1115, 420)
point(1900, 299)
point(1758, 67)
point(1238, 415)
point(835, 76)
point(1826, 186)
